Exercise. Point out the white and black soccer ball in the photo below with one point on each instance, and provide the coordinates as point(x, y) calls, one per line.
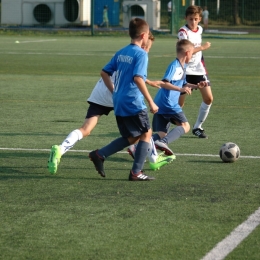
point(229, 152)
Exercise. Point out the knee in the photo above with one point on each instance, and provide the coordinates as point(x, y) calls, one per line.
point(186, 127)
point(208, 100)
point(85, 132)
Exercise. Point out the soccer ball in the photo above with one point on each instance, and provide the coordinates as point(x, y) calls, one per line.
point(229, 152)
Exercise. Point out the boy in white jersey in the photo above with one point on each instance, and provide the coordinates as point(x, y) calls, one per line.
point(101, 103)
point(196, 70)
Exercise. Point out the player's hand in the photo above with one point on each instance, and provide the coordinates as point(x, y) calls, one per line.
point(186, 90)
point(202, 84)
point(155, 84)
point(205, 46)
point(153, 108)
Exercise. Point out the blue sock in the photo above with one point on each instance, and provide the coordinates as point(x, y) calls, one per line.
point(174, 134)
point(140, 156)
point(114, 147)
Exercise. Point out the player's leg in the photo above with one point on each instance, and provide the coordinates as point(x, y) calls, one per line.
point(161, 126)
point(182, 100)
point(142, 149)
point(182, 127)
point(205, 106)
point(93, 114)
point(58, 150)
point(98, 156)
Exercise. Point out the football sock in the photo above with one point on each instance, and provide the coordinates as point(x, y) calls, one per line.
point(174, 134)
point(203, 113)
point(152, 152)
point(114, 147)
point(140, 156)
point(70, 140)
point(156, 137)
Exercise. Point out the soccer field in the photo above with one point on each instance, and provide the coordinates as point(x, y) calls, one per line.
point(195, 202)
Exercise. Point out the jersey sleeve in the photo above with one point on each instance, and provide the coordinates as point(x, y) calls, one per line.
point(182, 34)
point(140, 68)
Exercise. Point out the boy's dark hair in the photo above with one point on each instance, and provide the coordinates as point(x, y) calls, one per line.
point(183, 45)
point(193, 9)
point(136, 27)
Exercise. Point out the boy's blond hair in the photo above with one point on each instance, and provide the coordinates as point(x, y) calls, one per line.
point(183, 45)
point(193, 9)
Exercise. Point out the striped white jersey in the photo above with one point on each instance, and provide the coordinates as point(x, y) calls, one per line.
point(196, 66)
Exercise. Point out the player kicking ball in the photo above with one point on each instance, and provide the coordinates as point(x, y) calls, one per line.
point(167, 99)
point(101, 103)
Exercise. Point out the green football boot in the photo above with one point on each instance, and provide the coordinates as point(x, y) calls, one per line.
point(161, 161)
point(54, 159)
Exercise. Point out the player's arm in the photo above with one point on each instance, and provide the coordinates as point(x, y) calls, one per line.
point(142, 87)
point(155, 83)
point(107, 80)
point(169, 86)
point(203, 47)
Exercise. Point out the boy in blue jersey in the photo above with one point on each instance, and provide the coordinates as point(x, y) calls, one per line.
point(130, 67)
point(167, 98)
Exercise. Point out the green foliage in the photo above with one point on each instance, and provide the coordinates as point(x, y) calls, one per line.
point(191, 206)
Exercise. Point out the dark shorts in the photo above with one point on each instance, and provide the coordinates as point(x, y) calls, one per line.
point(133, 126)
point(97, 110)
point(162, 122)
point(195, 79)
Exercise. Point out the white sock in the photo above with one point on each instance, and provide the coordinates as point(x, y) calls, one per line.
point(203, 113)
point(152, 153)
point(70, 140)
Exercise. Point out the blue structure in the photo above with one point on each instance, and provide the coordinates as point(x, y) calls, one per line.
point(113, 11)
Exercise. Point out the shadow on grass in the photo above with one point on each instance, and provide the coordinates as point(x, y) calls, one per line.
point(31, 154)
point(11, 174)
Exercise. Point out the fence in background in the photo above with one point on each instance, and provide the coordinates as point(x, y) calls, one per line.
point(77, 13)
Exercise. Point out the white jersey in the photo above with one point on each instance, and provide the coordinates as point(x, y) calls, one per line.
point(196, 65)
point(101, 94)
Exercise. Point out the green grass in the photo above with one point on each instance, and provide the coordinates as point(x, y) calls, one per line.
point(193, 204)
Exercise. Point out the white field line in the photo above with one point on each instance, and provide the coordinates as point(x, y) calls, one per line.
point(51, 40)
point(87, 151)
point(227, 245)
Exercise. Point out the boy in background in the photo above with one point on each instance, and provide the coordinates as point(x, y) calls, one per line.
point(196, 70)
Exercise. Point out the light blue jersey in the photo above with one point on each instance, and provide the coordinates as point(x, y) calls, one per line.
point(127, 63)
point(168, 100)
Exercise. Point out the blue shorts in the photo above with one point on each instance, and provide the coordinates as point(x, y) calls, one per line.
point(162, 122)
point(133, 126)
point(97, 110)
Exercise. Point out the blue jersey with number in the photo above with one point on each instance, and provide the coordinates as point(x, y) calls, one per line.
point(127, 63)
point(168, 100)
